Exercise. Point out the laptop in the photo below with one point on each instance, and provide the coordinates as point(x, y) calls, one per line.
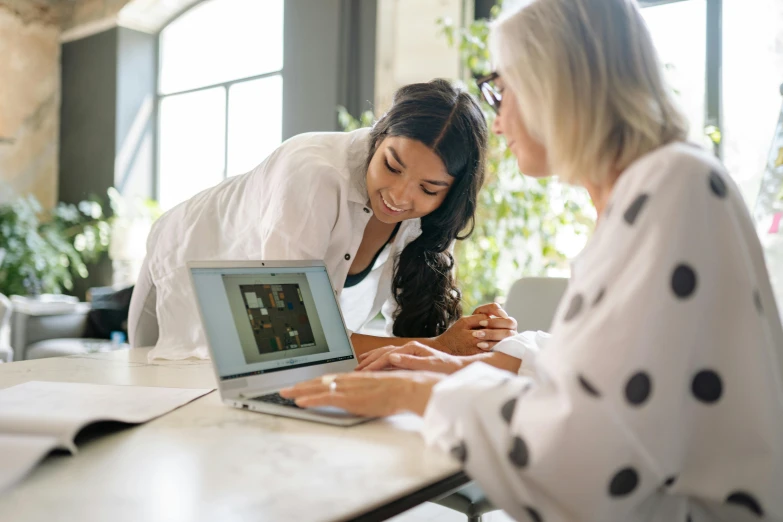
point(270, 325)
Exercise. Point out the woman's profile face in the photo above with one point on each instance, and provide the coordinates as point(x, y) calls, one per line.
point(530, 154)
point(405, 180)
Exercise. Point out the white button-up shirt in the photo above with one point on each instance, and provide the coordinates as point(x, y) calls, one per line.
point(307, 201)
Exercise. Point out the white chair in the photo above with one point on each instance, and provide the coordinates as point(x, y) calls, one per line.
point(53, 327)
point(533, 301)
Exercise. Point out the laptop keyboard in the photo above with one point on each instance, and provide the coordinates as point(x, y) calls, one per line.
point(275, 398)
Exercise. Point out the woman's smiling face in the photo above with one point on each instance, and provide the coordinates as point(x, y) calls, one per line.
point(406, 180)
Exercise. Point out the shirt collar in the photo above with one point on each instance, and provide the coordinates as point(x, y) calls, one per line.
point(356, 163)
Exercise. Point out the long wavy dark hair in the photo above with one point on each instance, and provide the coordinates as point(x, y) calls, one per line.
point(448, 121)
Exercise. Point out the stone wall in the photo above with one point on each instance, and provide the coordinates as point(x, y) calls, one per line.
point(30, 36)
point(29, 100)
point(46, 12)
point(30, 32)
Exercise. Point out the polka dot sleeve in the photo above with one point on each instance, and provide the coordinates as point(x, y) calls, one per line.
point(659, 395)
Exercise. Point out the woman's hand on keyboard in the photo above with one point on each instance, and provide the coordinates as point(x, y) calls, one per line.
point(370, 394)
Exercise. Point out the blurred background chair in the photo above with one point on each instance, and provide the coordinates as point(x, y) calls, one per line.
point(533, 301)
point(59, 325)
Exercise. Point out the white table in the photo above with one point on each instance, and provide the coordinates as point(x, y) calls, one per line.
point(206, 461)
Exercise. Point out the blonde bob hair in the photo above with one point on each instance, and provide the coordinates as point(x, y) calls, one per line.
point(588, 84)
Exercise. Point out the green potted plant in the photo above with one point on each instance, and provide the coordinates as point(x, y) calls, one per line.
point(42, 252)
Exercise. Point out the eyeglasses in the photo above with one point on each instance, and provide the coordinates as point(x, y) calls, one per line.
point(490, 92)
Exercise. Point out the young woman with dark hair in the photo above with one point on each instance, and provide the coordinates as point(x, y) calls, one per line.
point(382, 207)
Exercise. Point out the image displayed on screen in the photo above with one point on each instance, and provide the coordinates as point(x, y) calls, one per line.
point(275, 316)
point(278, 317)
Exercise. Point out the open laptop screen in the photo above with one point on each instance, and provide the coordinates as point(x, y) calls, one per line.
point(261, 320)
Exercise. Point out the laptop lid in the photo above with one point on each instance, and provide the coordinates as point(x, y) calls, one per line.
point(270, 324)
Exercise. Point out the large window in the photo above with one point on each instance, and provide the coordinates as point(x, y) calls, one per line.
point(220, 94)
point(736, 46)
point(679, 32)
point(724, 59)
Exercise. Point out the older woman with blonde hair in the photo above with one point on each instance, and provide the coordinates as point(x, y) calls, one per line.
point(659, 396)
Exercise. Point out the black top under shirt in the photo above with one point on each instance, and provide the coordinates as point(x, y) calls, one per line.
point(355, 279)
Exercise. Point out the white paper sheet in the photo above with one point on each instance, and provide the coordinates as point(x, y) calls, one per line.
point(36, 417)
point(19, 454)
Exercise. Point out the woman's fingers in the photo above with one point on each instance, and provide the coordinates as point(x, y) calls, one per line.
point(499, 323)
point(338, 400)
point(369, 394)
point(375, 352)
point(402, 361)
point(492, 331)
point(478, 321)
point(327, 384)
point(471, 322)
point(437, 364)
point(506, 325)
point(372, 356)
point(493, 335)
point(359, 393)
point(491, 309)
point(412, 362)
point(305, 388)
point(382, 362)
point(357, 405)
point(379, 364)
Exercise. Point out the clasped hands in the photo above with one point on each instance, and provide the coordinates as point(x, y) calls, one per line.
point(373, 393)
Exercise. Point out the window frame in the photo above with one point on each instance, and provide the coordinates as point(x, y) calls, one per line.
point(713, 87)
point(226, 86)
point(714, 57)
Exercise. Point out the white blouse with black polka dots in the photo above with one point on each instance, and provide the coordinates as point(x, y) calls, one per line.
point(659, 396)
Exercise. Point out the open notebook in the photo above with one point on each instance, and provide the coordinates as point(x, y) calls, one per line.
point(37, 417)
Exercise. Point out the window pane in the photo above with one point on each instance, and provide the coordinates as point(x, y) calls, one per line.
point(679, 31)
point(752, 73)
point(192, 144)
point(219, 41)
point(255, 122)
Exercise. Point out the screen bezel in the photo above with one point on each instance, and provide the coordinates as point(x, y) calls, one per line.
point(238, 385)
